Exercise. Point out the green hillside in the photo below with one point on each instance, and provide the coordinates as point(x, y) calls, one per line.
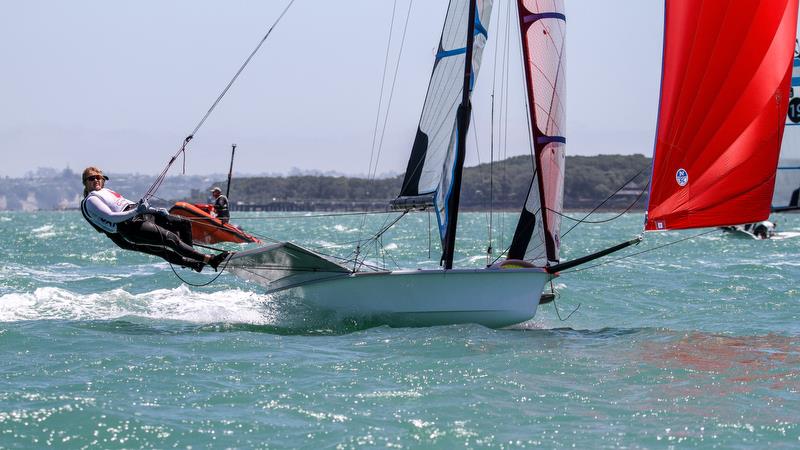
point(588, 181)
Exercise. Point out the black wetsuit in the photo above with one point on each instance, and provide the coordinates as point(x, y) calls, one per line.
point(159, 235)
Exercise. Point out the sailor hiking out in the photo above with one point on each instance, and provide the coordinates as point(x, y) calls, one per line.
point(138, 227)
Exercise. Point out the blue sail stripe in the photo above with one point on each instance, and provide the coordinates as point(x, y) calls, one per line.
point(549, 15)
point(479, 29)
point(443, 226)
point(448, 53)
point(549, 139)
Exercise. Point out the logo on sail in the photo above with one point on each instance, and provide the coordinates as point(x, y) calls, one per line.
point(682, 177)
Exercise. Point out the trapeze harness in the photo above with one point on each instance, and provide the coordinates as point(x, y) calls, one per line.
point(146, 233)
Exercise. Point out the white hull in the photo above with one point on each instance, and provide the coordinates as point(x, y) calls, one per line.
point(490, 297)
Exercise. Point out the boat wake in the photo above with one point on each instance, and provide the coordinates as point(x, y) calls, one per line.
point(179, 304)
point(226, 310)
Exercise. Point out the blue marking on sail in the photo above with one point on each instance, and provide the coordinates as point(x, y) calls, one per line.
point(550, 15)
point(479, 29)
point(549, 139)
point(449, 192)
point(448, 53)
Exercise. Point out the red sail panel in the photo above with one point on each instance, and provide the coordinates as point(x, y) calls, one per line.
point(543, 33)
point(724, 94)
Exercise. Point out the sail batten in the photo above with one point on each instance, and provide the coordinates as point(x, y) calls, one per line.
point(722, 111)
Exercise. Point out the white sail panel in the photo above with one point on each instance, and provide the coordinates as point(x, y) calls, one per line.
point(543, 33)
point(430, 168)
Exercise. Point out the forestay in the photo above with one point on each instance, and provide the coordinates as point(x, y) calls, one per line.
point(715, 161)
point(543, 33)
point(429, 176)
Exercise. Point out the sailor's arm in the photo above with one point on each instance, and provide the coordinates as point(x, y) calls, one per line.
point(97, 208)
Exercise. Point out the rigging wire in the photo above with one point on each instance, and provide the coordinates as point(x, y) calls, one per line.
point(583, 220)
point(160, 179)
point(383, 83)
point(609, 198)
point(643, 251)
point(372, 172)
point(626, 210)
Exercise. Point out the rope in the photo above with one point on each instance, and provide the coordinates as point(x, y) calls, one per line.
point(183, 280)
point(604, 220)
point(313, 216)
point(607, 199)
point(558, 313)
point(713, 230)
point(157, 183)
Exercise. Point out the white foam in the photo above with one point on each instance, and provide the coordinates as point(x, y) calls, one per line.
point(44, 232)
point(181, 304)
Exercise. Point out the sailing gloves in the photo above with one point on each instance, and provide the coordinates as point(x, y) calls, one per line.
point(143, 207)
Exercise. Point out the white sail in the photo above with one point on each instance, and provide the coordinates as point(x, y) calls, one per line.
point(429, 175)
point(496, 296)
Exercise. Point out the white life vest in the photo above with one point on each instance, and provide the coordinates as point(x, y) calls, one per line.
point(115, 202)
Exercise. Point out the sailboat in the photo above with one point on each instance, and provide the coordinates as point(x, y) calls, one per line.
point(714, 160)
point(495, 296)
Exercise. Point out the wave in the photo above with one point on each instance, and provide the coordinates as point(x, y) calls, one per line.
point(181, 304)
point(178, 309)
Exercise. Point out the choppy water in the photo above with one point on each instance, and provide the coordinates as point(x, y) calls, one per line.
point(695, 344)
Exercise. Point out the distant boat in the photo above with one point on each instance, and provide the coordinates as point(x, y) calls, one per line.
point(207, 229)
point(723, 98)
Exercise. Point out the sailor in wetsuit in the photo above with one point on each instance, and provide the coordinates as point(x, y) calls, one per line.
point(138, 227)
point(221, 205)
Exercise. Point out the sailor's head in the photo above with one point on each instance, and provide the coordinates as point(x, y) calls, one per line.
point(93, 179)
point(216, 191)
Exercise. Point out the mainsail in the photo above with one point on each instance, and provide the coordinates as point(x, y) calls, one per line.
point(543, 33)
point(714, 161)
point(787, 180)
point(429, 178)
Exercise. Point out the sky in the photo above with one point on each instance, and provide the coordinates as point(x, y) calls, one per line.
point(119, 85)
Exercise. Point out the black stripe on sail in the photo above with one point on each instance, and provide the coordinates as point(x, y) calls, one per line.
point(415, 163)
point(522, 235)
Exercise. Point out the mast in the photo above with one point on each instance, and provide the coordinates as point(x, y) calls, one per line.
point(230, 172)
point(462, 126)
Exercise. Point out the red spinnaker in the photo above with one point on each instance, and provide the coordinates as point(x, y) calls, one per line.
point(724, 95)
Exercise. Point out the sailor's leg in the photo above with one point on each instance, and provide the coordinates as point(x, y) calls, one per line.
point(177, 224)
point(147, 232)
point(155, 250)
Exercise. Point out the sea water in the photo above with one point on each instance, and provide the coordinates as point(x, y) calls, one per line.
point(686, 342)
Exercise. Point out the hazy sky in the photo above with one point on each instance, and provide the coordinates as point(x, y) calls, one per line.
point(119, 84)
